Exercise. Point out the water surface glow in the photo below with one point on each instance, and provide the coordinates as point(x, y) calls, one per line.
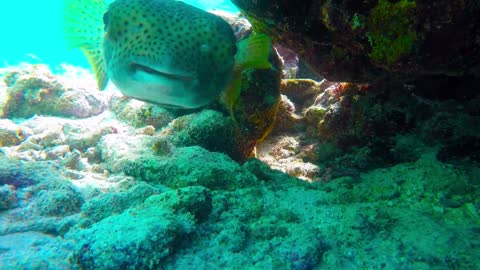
point(32, 32)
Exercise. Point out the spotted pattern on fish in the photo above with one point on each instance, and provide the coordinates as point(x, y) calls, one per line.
point(163, 51)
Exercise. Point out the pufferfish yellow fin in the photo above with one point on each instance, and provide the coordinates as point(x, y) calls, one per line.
point(253, 53)
point(232, 92)
point(84, 29)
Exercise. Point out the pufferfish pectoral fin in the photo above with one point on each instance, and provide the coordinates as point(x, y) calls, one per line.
point(84, 29)
point(253, 52)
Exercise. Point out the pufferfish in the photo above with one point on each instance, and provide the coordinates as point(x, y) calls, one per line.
point(163, 51)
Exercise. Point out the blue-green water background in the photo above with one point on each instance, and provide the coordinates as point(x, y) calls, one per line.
point(32, 32)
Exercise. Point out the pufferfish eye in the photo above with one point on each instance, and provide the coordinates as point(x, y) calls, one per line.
point(105, 21)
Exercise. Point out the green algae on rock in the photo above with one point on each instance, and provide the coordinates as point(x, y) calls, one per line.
point(196, 200)
point(152, 232)
point(392, 31)
point(182, 167)
point(367, 41)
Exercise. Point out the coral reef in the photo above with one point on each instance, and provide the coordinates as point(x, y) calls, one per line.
point(345, 175)
point(345, 129)
point(129, 188)
point(11, 133)
point(153, 234)
point(34, 90)
point(367, 41)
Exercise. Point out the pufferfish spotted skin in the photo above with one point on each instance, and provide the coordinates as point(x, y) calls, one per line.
point(163, 51)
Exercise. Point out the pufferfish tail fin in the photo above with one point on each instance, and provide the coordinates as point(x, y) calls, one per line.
point(84, 29)
point(253, 52)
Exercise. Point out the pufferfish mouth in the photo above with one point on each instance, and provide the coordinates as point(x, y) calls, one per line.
point(153, 71)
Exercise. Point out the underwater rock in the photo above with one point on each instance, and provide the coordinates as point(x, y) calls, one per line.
point(60, 202)
point(148, 130)
point(449, 192)
point(216, 132)
point(58, 152)
point(295, 89)
point(262, 171)
point(297, 120)
point(455, 130)
point(60, 140)
point(254, 227)
point(3, 93)
point(137, 238)
point(232, 237)
point(149, 159)
point(195, 200)
point(138, 114)
point(308, 255)
point(20, 175)
point(286, 154)
point(289, 61)
point(208, 129)
point(195, 166)
point(112, 203)
point(339, 111)
point(366, 41)
point(461, 148)
point(119, 152)
point(8, 197)
point(33, 250)
point(73, 160)
point(201, 208)
point(45, 201)
point(391, 122)
point(348, 128)
point(12, 134)
point(297, 96)
point(287, 117)
point(130, 189)
point(303, 91)
point(84, 137)
point(34, 90)
point(339, 131)
point(240, 25)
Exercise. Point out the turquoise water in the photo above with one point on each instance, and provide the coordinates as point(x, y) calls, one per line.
point(94, 180)
point(32, 32)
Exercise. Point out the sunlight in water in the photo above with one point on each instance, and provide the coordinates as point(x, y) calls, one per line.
point(32, 32)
